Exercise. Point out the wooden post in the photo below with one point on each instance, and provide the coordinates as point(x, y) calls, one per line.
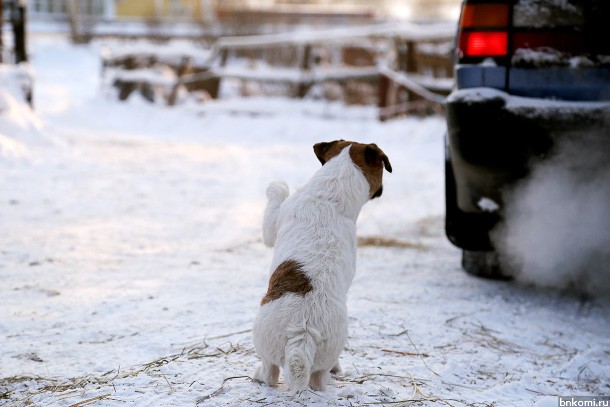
point(19, 23)
point(305, 67)
point(1, 25)
point(183, 69)
point(224, 56)
point(400, 47)
point(411, 65)
point(411, 58)
point(384, 84)
point(74, 19)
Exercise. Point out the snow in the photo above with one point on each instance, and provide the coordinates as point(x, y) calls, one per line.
point(477, 95)
point(19, 124)
point(539, 57)
point(532, 107)
point(411, 83)
point(355, 34)
point(171, 52)
point(547, 13)
point(488, 204)
point(132, 261)
point(294, 76)
point(545, 57)
point(160, 75)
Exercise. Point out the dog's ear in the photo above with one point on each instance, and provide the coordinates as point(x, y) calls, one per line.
point(321, 149)
point(373, 155)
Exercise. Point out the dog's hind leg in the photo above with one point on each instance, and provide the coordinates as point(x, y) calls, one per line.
point(318, 380)
point(277, 192)
point(267, 373)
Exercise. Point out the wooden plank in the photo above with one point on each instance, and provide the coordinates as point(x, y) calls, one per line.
point(408, 82)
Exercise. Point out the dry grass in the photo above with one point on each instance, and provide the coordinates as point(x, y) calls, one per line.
point(22, 389)
point(83, 391)
point(379, 241)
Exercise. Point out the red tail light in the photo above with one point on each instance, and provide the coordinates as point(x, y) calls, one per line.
point(484, 30)
point(525, 34)
point(484, 43)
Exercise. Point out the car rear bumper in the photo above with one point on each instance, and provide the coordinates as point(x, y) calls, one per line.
point(493, 138)
point(562, 82)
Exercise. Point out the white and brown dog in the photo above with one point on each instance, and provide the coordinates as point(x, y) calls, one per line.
point(302, 322)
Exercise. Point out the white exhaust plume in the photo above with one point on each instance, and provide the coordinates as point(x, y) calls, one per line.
point(556, 231)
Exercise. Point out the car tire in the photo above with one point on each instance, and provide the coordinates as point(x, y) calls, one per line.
point(483, 264)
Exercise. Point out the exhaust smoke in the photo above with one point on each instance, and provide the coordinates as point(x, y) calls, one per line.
point(556, 229)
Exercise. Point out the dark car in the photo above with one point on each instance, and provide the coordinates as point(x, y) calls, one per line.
point(528, 72)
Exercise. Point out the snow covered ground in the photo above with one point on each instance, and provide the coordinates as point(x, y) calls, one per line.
point(132, 263)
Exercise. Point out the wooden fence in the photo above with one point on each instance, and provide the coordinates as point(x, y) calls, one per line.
point(409, 68)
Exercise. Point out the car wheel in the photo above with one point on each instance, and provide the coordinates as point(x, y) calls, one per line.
point(483, 264)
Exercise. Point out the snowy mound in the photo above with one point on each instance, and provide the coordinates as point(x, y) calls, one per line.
point(19, 125)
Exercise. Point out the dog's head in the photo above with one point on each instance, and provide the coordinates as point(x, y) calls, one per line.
point(368, 157)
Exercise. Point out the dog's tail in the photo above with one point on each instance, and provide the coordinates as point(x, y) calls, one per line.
point(300, 352)
point(277, 192)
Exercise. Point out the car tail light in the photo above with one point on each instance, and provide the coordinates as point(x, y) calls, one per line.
point(485, 15)
point(484, 43)
point(483, 30)
point(498, 28)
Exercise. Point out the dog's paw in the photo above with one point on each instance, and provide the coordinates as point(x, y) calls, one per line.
point(277, 191)
point(258, 375)
point(268, 374)
point(319, 380)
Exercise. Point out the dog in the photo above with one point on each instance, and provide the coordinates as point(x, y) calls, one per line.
point(302, 323)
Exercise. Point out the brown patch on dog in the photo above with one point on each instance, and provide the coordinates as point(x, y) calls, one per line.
point(288, 277)
point(368, 157)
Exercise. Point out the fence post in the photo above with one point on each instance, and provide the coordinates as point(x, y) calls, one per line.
point(74, 17)
point(305, 68)
point(1, 25)
point(411, 65)
point(224, 56)
point(18, 20)
point(411, 57)
point(400, 46)
point(382, 103)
